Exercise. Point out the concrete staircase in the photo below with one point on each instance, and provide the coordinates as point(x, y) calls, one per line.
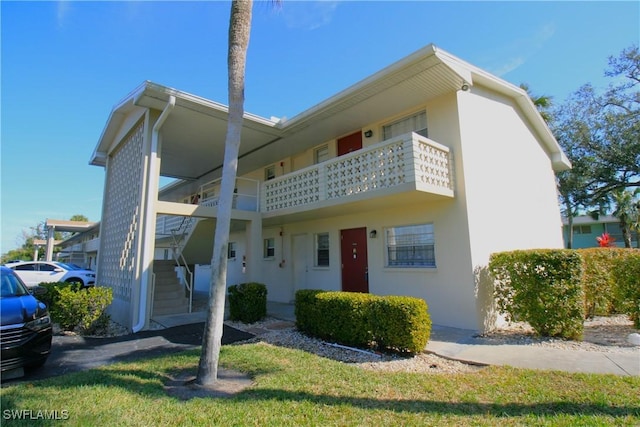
point(169, 296)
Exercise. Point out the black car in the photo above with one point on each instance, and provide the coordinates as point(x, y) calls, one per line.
point(25, 326)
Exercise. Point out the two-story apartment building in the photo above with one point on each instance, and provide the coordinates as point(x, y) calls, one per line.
point(403, 184)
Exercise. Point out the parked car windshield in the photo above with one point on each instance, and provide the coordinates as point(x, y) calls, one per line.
point(11, 286)
point(66, 266)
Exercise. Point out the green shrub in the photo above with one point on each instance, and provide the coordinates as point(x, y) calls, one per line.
point(400, 323)
point(541, 287)
point(308, 314)
point(626, 274)
point(390, 323)
point(51, 297)
point(598, 282)
point(345, 317)
point(248, 302)
point(81, 308)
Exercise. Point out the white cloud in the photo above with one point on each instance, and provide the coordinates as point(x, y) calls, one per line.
point(308, 15)
point(63, 8)
point(511, 56)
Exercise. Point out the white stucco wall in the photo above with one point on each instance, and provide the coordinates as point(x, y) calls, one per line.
point(510, 186)
point(504, 199)
point(448, 288)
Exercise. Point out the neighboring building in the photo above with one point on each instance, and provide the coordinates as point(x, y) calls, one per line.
point(82, 247)
point(403, 184)
point(586, 229)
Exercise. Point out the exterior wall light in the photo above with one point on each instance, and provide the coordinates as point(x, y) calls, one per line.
point(368, 133)
point(373, 234)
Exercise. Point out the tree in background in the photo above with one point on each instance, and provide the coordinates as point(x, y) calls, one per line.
point(38, 232)
point(599, 134)
point(627, 212)
point(542, 102)
point(239, 31)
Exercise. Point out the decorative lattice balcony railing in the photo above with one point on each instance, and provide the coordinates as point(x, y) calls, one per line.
point(410, 158)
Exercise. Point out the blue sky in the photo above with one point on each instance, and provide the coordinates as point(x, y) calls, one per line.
point(64, 65)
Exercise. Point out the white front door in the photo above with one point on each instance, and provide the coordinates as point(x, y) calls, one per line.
point(300, 262)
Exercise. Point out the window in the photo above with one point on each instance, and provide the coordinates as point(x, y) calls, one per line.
point(415, 123)
point(322, 250)
point(581, 229)
point(231, 250)
point(26, 267)
point(411, 246)
point(269, 248)
point(269, 172)
point(47, 267)
point(321, 154)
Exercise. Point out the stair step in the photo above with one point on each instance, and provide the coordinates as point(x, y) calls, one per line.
point(169, 310)
point(182, 304)
point(171, 295)
point(167, 281)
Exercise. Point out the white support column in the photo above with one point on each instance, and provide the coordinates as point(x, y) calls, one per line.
point(254, 250)
point(148, 232)
point(50, 244)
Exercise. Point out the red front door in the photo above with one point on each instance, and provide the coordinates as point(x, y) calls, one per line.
point(353, 253)
point(349, 143)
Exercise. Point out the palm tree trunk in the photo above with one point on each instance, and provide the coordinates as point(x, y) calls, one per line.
point(239, 29)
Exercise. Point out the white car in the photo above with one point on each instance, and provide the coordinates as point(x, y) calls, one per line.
point(33, 273)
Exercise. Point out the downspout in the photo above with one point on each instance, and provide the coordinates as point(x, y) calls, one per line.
point(150, 212)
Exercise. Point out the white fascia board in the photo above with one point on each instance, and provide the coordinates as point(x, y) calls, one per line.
point(461, 68)
point(116, 117)
point(201, 104)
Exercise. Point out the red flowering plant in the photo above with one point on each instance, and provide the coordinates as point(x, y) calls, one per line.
point(605, 240)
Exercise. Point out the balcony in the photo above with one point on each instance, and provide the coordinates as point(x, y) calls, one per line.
point(401, 170)
point(408, 165)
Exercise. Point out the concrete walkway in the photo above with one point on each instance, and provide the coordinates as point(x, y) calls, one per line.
point(460, 344)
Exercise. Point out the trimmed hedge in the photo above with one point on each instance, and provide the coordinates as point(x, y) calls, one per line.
point(598, 281)
point(391, 323)
point(401, 323)
point(626, 274)
point(308, 315)
point(541, 287)
point(248, 302)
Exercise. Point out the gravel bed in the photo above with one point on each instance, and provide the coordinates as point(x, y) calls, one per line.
point(605, 334)
point(284, 334)
point(600, 334)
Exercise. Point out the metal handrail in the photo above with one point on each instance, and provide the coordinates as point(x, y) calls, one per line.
point(182, 262)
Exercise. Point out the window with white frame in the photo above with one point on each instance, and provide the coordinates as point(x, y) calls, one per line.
point(231, 250)
point(415, 123)
point(269, 172)
point(269, 248)
point(411, 246)
point(322, 250)
point(321, 154)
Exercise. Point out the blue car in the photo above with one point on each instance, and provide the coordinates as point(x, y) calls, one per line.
point(25, 326)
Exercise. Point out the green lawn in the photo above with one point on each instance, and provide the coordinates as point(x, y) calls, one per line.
point(296, 388)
